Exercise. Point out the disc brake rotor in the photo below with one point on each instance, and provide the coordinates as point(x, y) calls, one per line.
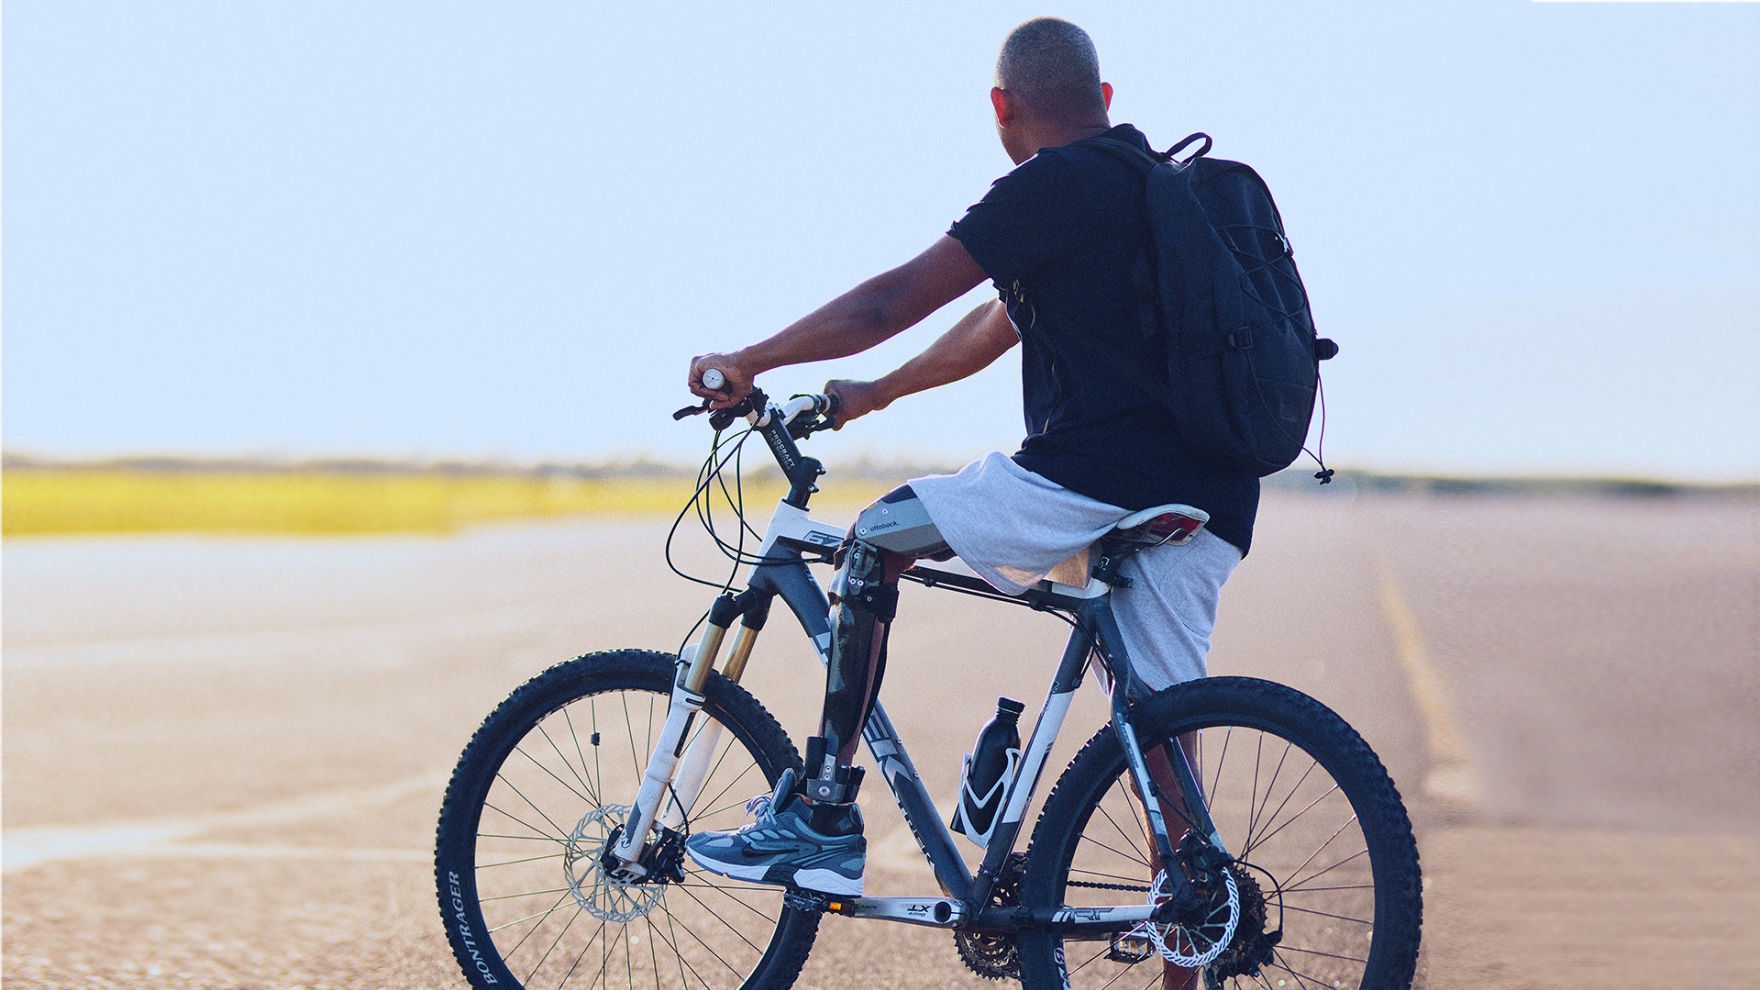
point(1196, 945)
point(583, 870)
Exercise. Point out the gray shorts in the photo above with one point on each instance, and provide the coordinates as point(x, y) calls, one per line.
point(1013, 526)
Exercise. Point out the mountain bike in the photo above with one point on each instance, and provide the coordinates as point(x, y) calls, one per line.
point(1229, 825)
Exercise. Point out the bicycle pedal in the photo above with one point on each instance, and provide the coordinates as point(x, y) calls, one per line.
point(1130, 948)
point(806, 900)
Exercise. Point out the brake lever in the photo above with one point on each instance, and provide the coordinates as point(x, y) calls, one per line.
point(692, 410)
point(805, 426)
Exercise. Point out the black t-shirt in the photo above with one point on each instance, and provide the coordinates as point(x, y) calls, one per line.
point(1059, 236)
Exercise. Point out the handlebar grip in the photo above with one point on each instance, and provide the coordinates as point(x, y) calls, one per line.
point(714, 380)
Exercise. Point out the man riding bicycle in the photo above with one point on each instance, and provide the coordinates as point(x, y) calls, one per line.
point(1058, 237)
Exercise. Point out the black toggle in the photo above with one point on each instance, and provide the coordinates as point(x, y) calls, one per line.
point(879, 599)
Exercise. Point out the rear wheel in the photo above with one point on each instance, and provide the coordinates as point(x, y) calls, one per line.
point(1324, 878)
point(536, 799)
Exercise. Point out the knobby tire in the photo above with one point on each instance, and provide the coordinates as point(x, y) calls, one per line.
point(538, 790)
point(1325, 851)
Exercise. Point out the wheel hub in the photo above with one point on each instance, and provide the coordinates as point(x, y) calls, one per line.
point(599, 891)
point(1196, 943)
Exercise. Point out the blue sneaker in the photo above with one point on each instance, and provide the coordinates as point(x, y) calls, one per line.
point(781, 847)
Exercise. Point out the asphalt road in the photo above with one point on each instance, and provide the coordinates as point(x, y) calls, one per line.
point(223, 757)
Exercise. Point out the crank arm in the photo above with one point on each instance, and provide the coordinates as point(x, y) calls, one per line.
point(930, 912)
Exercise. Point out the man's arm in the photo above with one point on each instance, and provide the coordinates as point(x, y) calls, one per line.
point(853, 322)
point(979, 338)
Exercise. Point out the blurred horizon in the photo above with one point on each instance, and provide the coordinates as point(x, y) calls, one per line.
point(859, 467)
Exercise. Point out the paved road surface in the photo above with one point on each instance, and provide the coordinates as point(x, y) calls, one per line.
point(223, 757)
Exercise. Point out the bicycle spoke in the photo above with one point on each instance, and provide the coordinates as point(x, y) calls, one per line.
point(593, 710)
point(548, 797)
point(542, 917)
point(1302, 979)
point(1315, 890)
point(1295, 823)
point(1311, 805)
point(585, 798)
point(725, 788)
point(727, 892)
point(541, 914)
point(517, 838)
point(1221, 761)
point(1256, 806)
point(586, 792)
point(1317, 952)
point(525, 893)
point(635, 753)
point(559, 829)
point(537, 833)
point(1287, 798)
point(731, 968)
point(724, 922)
point(1328, 914)
point(1322, 848)
point(568, 720)
point(1329, 869)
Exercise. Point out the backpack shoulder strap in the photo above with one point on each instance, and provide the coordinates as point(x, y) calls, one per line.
point(1132, 155)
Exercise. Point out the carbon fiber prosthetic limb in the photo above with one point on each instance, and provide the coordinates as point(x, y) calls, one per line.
point(887, 538)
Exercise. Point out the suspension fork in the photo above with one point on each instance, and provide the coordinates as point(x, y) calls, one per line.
point(673, 766)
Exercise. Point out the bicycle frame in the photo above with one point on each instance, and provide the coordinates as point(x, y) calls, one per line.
point(782, 572)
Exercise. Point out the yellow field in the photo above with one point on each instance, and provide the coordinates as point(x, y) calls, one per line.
point(44, 501)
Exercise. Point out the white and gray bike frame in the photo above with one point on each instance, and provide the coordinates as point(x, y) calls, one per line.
point(675, 771)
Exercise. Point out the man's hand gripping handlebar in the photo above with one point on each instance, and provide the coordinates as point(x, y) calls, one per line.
point(803, 415)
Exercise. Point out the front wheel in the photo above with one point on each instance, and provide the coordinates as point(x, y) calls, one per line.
point(533, 804)
point(1323, 886)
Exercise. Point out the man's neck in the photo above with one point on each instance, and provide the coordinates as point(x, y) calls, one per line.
point(1056, 136)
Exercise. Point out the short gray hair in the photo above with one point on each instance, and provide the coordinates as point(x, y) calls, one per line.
point(1051, 64)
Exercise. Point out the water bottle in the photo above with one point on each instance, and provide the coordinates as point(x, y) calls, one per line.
point(988, 769)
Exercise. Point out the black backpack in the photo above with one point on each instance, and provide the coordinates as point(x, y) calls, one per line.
point(1218, 284)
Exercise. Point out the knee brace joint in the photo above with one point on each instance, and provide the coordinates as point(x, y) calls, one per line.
point(860, 582)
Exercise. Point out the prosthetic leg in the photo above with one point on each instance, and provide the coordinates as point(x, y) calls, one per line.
point(808, 837)
point(887, 538)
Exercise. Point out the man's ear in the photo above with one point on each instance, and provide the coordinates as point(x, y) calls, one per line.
point(1003, 105)
point(1106, 94)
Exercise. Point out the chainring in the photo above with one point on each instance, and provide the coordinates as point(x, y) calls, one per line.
point(996, 955)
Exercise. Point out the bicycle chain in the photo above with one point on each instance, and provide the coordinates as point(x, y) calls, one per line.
point(1135, 889)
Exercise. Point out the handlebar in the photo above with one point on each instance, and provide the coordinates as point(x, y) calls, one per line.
point(758, 410)
point(780, 426)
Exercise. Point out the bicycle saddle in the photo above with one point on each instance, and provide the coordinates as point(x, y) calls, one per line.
point(1174, 525)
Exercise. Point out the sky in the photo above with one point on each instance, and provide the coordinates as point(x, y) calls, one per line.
point(498, 231)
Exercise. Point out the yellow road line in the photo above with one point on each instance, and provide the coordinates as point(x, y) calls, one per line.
point(1452, 776)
